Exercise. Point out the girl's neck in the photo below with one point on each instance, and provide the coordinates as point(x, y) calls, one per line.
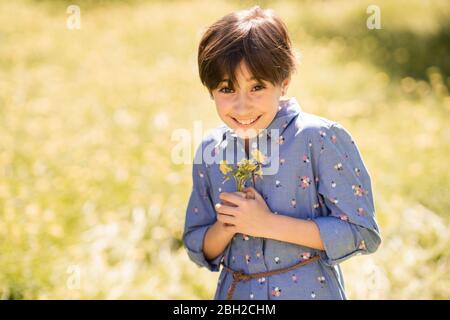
point(246, 147)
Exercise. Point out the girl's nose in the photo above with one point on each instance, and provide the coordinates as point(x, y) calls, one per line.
point(242, 106)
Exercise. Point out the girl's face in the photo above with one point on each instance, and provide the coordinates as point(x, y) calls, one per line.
point(251, 106)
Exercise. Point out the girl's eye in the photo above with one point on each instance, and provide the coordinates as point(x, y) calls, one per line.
point(259, 86)
point(225, 88)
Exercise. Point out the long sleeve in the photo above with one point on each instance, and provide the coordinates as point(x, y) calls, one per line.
point(344, 185)
point(200, 215)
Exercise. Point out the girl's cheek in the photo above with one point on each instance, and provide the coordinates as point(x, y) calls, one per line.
point(224, 101)
point(223, 107)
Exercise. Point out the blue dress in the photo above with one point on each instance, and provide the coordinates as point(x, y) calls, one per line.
point(318, 174)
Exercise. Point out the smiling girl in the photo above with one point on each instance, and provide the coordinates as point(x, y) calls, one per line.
point(286, 234)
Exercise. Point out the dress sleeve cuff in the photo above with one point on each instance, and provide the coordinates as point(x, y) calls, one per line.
point(339, 240)
point(195, 252)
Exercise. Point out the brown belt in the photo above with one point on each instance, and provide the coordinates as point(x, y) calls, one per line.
point(240, 276)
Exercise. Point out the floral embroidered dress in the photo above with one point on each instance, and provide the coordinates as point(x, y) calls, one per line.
point(319, 175)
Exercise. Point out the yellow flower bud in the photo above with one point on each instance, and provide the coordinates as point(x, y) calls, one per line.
point(224, 167)
point(258, 155)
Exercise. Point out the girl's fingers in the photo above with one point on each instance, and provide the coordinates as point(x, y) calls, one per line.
point(224, 209)
point(251, 193)
point(228, 203)
point(225, 218)
point(242, 194)
point(229, 228)
point(232, 197)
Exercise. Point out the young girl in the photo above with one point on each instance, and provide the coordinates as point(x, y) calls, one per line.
point(284, 236)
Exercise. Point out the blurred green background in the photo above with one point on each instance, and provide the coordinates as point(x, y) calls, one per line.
point(91, 205)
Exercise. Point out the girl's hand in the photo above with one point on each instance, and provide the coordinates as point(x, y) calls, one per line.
point(225, 202)
point(247, 215)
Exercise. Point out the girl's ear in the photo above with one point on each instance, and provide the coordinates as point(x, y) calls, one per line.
point(285, 84)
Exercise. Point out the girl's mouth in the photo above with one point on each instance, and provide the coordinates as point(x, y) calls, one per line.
point(246, 123)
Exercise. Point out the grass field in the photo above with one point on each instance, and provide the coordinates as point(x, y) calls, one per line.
point(91, 205)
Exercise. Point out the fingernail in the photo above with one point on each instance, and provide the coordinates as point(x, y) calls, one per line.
point(218, 205)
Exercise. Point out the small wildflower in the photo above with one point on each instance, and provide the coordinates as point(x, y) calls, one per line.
point(294, 203)
point(276, 292)
point(305, 255)
point(358, 190)
point(246, 169)
point(305, 182)
point(305, 158)
point(224, 167)
point(280, 140)
point(333, 138)
point(258, 155)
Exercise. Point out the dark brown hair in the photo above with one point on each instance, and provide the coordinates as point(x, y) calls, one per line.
point(256, 36)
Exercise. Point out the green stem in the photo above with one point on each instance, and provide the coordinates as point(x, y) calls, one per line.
point(239, 185)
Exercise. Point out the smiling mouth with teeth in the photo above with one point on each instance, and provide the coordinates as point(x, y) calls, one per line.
point(246, 122)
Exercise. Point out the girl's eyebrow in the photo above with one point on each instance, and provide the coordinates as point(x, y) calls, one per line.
point(226, 79)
